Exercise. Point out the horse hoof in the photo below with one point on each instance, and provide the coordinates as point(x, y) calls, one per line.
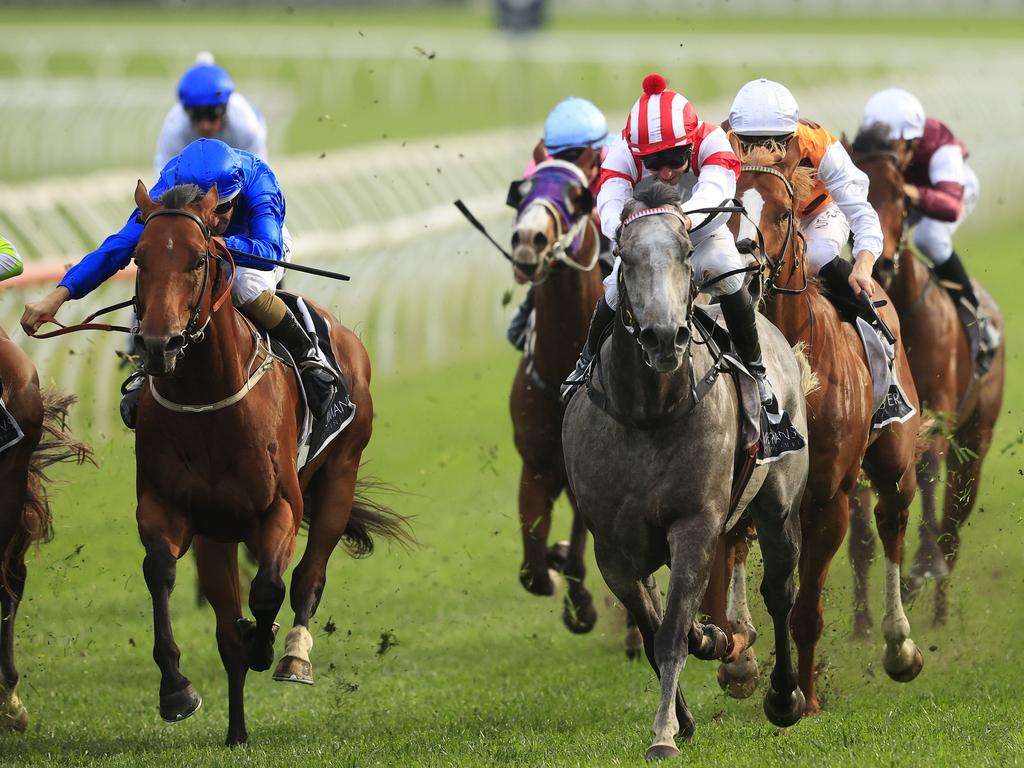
point(237, 739)
point(558, 555)
point(260, 655)
point(13, 716)
point(293, 670)
point(632, 654)
point(738, 684)
point(714, 643)
point(661, 752)
point(579, 619)
point(909, 672)
point(784, 710)
point(541, 587)
point(175, 707)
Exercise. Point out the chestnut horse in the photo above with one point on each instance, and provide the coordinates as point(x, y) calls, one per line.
point(940, 357)
point(216, 458)
point(555, 245)
point(839, 422)
point(24, 509)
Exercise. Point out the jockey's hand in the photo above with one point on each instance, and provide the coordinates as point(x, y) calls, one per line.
point(35, 311)
point(860, 277)
point(912, 193)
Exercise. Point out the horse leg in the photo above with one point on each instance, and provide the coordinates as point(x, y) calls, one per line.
point(928, 562)
point(537, 493)
point(778, 532)
point(739, 674)
point(165, 537)
point(862, 554)
point(274, 548)
point(332, 498)
point(13, 715)
point(823, 527)
point(902, 659)
point(579, 613)
point(963, 479)
point(217, 564)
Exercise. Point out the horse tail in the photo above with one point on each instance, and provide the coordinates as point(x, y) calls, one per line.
point(808, 378)
point(370, 518)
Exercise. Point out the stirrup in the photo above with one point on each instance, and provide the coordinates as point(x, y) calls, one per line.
point(577, 377)
point(131, 389)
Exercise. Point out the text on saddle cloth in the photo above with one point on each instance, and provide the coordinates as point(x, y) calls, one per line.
point(314, 437)
point(889, 402)
point(10, 430)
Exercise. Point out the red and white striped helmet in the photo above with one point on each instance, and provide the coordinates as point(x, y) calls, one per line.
point(660, 119)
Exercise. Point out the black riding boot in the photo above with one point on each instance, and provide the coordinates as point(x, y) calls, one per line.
point(835, 277)
point(738, 311)
point(955, 280)
point(318, 380)
point(602, 318)
point(516, 333)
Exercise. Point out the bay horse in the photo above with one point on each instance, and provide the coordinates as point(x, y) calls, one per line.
point(555, 246)
point(24, 505)
point(216, 458)
point(839, 421)
point(965, 405)
point(651, 463)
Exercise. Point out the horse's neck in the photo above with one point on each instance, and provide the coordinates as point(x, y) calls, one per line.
point(637, 391)
point(214, 368)
point(564, 303)
point(909, 282)
point(791, 313)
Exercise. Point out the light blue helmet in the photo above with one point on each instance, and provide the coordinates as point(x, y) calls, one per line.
point(572, 123)
point(205, 85)
point(206, 162)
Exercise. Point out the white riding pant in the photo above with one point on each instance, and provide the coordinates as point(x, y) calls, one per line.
point(712, 256)
point(934, 238)
point(250, 283)
point(825, 234)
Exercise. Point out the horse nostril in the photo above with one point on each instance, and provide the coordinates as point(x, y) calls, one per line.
point(175, 343)
point(515, 239)
point(648, 338)
point(682, 336)
point(540, 242)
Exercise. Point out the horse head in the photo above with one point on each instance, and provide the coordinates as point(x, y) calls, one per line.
point(873, 153)
point(174, 286)
point(552, 206)
point(656, 277)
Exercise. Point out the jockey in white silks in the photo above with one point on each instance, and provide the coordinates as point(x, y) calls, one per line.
point(664, 140)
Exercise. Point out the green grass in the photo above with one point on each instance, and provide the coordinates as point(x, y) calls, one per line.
point(483, 673)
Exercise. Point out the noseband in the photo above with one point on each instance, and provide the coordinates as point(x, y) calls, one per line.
point(193, 332)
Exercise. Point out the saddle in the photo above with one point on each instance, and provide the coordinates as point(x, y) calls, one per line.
point(10, 430)
point(314, 435)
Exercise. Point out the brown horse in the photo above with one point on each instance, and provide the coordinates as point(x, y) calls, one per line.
point(561, 266)
point(966, 406)
point(216, 459)
point(839, 421)
point(24, 509)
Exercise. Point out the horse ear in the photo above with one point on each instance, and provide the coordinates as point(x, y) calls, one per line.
point(209, 201)
point(517, 192)
point(540, 152)
point(143, 201)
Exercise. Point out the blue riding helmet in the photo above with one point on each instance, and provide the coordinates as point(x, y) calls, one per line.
point(206, 162)
point(572, 123)
point(205, 85)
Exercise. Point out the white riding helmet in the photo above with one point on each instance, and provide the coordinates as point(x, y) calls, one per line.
point(764, 108)
point(899, 109)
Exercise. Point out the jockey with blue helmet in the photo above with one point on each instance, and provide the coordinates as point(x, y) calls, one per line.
point(570, 128)
point(249, 217)
point(209, 108)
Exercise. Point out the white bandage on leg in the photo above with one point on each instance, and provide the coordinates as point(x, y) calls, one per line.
point(298, 643)
point(826, 234)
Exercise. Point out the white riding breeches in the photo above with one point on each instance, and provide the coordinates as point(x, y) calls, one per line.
point(250, 283)
point(716, 254)
point(826, 234)
point(934, 238)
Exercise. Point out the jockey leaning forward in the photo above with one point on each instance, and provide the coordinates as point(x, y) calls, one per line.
point(572, 126)
point(941, 189)
point(664, 140)
point(249, 217)
point(764, 113)
point(209, 108)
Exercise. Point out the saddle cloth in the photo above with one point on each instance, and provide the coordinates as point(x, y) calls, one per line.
point(982, 353)
point(10, 430)
point(890, 402)
point(314, 436)
point(772, 429)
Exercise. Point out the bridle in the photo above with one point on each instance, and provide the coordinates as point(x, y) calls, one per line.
point(789, 243)
point(193, 332)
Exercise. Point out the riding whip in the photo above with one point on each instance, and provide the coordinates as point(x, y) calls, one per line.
point(473, 220)
point(287, 265)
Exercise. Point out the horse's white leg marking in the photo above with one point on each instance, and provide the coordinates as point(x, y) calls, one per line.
point(738, 609)
point(899, 648)
point(298, 643)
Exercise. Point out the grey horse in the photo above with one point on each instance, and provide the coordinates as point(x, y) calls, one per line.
point(654, 482)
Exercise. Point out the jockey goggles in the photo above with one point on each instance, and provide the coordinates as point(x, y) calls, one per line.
point(674, 157)
point(210, 114)
point(748, 142)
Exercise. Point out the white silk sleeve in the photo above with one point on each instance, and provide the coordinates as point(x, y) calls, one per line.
point(615, 191)
point(947, 164)
point(848, 186)
point(715, 185)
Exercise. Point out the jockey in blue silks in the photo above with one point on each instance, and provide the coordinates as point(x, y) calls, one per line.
point(250, 217)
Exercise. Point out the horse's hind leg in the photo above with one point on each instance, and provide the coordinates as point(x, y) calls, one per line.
point(579, 613)
point(862, 554)
point(13, 715)
point(274, 548)
point(928, 562)
point(218, 578)
point(165, 537)
point(538, 489)
point(738, 675)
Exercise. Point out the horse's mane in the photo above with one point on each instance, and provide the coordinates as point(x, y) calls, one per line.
point(654, 196)
point(802, 178)
point(872, 138)
point(181, 195)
